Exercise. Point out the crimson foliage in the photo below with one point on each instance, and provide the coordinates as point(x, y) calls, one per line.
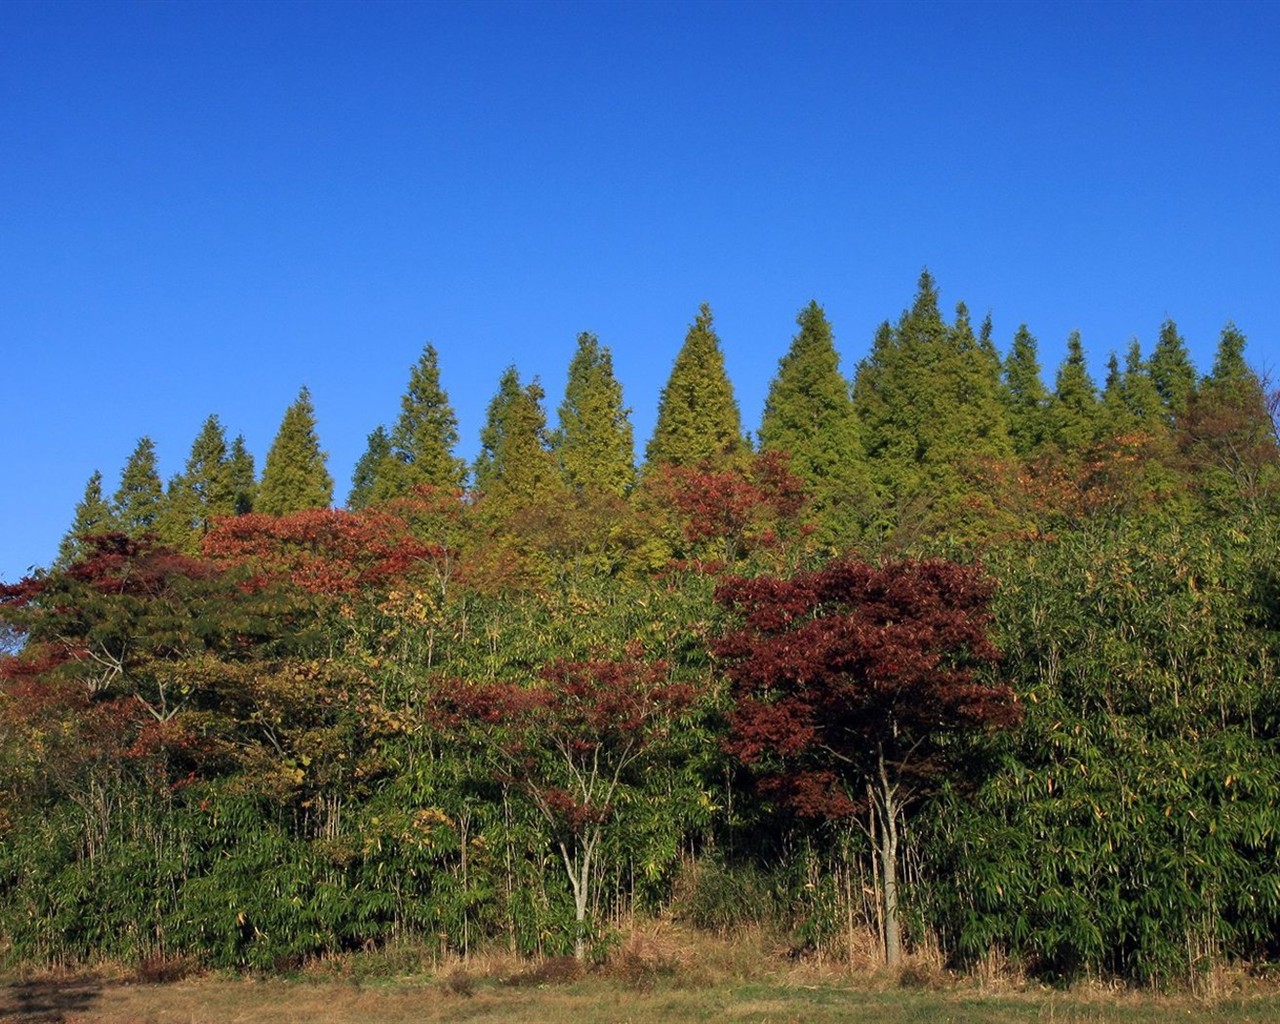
point(856, 675)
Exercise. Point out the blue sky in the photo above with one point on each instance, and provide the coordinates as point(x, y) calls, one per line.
point(204, 206)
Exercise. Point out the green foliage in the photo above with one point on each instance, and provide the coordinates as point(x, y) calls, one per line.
point(365, 475)
point(698, 417)
point(928, 400)
point(1227, 435)
point(139, 499)
point(516, 467)
point(1025, 396)
point(593, 442)
point(808, 414)
point(295, 477)
point(1125, 829)
point(244, 482)
point(205, 490)
point(423, 440)
point(93, 516)
point(1171, 370)
point(1073, 414)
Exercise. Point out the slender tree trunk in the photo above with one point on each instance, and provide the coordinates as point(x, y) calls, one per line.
point(887, 798)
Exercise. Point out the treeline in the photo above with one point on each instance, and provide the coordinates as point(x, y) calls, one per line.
point(946, 656)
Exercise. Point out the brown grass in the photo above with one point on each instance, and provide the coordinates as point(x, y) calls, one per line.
point(659, 972)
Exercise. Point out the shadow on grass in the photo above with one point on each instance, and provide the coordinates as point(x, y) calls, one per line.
point(47, 1001)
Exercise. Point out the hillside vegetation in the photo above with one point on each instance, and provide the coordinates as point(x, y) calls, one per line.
point(949, 658)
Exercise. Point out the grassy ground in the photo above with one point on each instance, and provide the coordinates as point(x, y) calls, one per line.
point(657, 976)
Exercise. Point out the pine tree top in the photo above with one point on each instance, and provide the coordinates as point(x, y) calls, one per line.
point(294, 477)
point(593, 441)
point(698, 416)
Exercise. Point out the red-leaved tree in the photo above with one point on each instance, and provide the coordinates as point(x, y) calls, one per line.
point(847, 681)
point(569, 743)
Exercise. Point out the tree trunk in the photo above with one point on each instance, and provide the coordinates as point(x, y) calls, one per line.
point(889, 810)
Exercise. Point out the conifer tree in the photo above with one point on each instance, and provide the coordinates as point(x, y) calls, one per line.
point(1141, 397)
point(593, 442)
point(1114, 417)
point(809, 414)
point(294, 477)
point(698, 416)
point(516, 467)
point(1228, 432)
point(1073, 413)
point(424, 437)
point(139, 500)
point(1229, 367)
point(965, 418)
point(928, 400)
point(496, 425)
point(244, 481)
point(92, 516)
point(1025, 397)
point(204, 491)
point(1171, 370)
point(365, 476)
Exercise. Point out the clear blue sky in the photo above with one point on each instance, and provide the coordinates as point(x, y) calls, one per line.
point(204, 206)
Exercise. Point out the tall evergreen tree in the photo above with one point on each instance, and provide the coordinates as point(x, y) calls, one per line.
point(1141, 397)
point(593, 442)
point(1228, 433)
point(244, 479)
point(496, 426)
point(204, 491)
point(139, 499)
point(809, 414)
point(698, 416)
point(295, 477)
point(1025, 397)
point(1229, 367)
point(424, 437)
point(1171, 370)
point(1114, 417)
point(928, 400)
point(365, 476)
point(516, 467)
point(92, 516)
point(1073, 413)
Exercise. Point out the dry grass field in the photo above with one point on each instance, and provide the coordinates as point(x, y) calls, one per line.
point(659, 974)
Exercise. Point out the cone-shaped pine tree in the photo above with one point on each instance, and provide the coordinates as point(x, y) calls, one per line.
point(1229, 367)
point(928, 399)
point(1171, 370)
point(364, 477)
point(1025, 397)
point(516, 468)
point(1141, 397)
point(139, 500)
point(294, 477)
point(93, 516)
point(201, 493)
point(698, 416)
point(244, 481)
point(424, 437)
point(594, 444)
point(809, 414)
point(1074, 411)
point(1228, 433)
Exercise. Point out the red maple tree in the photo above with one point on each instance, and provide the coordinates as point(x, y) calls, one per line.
point(846, 682)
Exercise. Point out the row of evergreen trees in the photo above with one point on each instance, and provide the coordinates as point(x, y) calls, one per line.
point(931, 408)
